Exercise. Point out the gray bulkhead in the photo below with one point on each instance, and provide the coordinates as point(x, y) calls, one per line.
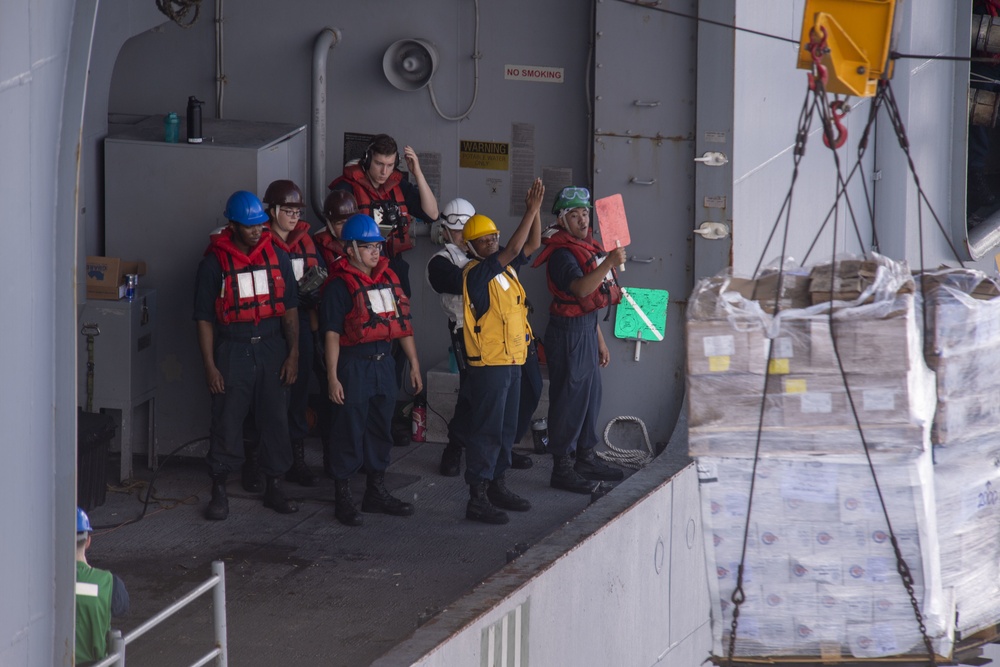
point(63, 68)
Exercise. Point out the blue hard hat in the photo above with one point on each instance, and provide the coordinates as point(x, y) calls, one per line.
point(244, 208)
point(360, 227)
point(82, 522)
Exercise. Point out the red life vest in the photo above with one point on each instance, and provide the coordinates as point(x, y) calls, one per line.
point(587, 252)
point(363, 324)
point(299, 246)
point(256, 271)
point(329, 246)
point(370, 200)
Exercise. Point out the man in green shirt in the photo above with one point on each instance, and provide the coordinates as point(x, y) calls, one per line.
point(99, 596)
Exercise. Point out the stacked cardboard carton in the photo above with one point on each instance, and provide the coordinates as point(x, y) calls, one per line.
point(963, 345)
point(750, 366)
point(797, 372)
point(820, 573)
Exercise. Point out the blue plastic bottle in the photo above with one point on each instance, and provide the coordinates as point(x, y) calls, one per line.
point(172, 128)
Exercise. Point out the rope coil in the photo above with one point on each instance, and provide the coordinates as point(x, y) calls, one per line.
point(630, 458)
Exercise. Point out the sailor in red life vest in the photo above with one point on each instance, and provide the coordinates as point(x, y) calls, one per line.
point(363, 310)
point(582, 281)
point(337, 208)
point(382, 192)
point(284, 204)
point(246, 309)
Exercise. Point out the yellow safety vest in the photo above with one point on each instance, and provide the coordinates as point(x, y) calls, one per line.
point(500, 336)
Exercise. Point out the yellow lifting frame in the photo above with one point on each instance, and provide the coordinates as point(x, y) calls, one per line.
point(858, 33)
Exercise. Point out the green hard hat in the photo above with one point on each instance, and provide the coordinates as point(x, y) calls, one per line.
point(571, 197)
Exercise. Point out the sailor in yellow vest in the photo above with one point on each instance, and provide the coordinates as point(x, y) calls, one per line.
point(496, 336)
point(99, 596)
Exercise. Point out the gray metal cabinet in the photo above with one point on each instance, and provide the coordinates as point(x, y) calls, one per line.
point(124, 337)
point(162, 201)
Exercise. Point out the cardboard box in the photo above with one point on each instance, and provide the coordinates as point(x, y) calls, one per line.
point(715, 347)
point(730, 400)
point(844, 281)
point(963, 312)
point(889, 343)
point(793, 293)
point(106, 276)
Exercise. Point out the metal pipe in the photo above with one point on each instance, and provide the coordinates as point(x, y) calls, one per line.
point(214, 653)
point(326, 40)
point(217, 581)
point(116, 658)
point(207, 585)
point(984, 106)
point(118, 646)
point(985, 34)
point(220, 59)
point(219, 613)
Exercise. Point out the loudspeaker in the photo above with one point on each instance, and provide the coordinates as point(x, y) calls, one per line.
point(409, 64)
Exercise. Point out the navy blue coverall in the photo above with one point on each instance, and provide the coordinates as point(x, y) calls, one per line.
point(250, 357)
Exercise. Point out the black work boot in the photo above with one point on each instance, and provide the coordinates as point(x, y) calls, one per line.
point(567, 479)
point(250, 475)
point(300, 472)
point(589, 466)
point(218, 506)
point(346, 512)
point(378, 499)
point(451, 460)
point(520, 461)
point(504, 498)
point(275, 499)
point(481, 509)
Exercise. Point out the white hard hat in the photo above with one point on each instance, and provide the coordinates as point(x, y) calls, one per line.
point(456, 213)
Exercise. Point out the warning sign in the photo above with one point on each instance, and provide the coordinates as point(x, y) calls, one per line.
point(483, 155)
point(533, 73)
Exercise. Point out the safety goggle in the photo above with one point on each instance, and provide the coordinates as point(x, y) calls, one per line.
point(575, 193)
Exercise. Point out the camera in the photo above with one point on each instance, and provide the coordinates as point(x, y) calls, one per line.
point(313, 278)
point(391, 216)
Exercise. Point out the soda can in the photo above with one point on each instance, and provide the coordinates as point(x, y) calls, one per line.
point(131, 280)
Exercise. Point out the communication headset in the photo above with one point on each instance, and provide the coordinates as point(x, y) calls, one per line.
point(366, 160)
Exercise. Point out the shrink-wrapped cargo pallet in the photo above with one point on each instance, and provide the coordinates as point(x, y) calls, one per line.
point(820, 578)
point(963, 345)
point(820, 574)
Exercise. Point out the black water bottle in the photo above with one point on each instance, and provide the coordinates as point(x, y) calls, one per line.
point(194, 120)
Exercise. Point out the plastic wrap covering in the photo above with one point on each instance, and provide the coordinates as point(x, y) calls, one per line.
point(963, 309)
point(742, 359)
point(820, 574)
point(967, 488)
point(766, 357)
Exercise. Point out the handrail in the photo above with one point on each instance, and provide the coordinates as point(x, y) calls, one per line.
point(220, 653)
